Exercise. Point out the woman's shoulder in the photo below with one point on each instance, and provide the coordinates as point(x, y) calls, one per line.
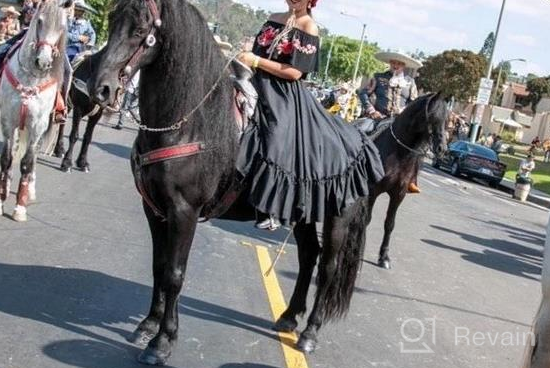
point(307, 25)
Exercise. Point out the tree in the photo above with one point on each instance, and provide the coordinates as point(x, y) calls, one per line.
point(236, 21)
point(344, 58)
point(488, 46)
point(100, 20)
point(504, 69)
point(455, 73)
point(537, 88)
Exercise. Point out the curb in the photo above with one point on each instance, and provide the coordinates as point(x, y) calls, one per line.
point(509, 187)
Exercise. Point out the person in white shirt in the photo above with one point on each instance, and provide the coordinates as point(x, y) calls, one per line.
point(525, 168)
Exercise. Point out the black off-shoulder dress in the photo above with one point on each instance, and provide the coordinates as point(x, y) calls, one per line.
point(301, 162)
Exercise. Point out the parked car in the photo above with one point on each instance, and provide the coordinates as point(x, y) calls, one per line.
point(472, 160)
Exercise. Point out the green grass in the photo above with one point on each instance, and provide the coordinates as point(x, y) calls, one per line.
point(540, 176)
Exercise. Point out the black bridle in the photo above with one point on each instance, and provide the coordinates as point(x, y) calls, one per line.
point(149, 41)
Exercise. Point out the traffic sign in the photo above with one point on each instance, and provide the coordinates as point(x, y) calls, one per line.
point(484, 91)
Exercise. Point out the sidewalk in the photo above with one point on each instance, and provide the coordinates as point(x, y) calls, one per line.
point(535, 196)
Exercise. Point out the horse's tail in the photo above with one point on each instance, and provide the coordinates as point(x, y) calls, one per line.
point(336, 301)
point(22, 143)
point(537, 345)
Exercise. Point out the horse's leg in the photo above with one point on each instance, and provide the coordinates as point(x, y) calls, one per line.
point(182, 222)
point(27, 169)
point(82, 161)
point(32, 183)
point(149, 327)
point(396, 197)
point(332, 242)
point(342, 251)
point(59, 150)
point(67, 162)
point(6, 162)
point(308, 251)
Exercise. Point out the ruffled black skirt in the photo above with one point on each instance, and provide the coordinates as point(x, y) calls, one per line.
point(300, 162)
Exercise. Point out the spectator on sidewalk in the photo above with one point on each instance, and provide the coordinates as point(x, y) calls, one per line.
point(526, 166)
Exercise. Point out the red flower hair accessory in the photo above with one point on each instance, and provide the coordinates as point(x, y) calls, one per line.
point(312, 3)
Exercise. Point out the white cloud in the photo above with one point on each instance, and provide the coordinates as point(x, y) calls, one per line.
point(522, 39)
point(530, 67)
point(532, 8)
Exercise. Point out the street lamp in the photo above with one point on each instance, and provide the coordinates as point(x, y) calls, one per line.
point(329, 57)
point(356, 71)
point(499, 74)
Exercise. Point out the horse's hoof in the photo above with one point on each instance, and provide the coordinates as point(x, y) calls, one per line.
point(59, 153)
point(285, 325)
point(85, 169)
point(19, 216)
point(384, 263)
point(66, 169)
point(306, 345)
point(140, 337)
point(152, 356)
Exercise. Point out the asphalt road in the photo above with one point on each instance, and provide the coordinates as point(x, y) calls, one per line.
point(76, 279)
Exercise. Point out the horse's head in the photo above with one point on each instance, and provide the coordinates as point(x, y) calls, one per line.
point(47, 32)
point(427, 119)
point(133, 27)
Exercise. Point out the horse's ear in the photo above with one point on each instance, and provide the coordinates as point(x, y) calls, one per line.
point(66, 3)
point(443, 96)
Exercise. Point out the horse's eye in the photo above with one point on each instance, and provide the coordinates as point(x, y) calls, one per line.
point(139, 32)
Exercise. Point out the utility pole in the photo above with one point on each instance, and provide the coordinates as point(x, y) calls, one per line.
point(477, 114)
point(329, 57)
point(358, 62)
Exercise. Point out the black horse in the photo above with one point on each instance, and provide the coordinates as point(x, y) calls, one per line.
point(82, 106)
point(184, 159)
point(402, 147)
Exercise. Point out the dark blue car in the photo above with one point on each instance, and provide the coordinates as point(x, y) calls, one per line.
point(472, 160)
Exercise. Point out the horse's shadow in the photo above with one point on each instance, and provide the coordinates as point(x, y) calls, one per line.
point(237, 228)
point(83, 302)
point(117, 150)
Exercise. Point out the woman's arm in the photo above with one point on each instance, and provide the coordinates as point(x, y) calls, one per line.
point(280, 70)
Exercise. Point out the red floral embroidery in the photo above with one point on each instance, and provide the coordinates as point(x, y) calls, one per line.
point(267, 36)
point(307, 49)
point(285, 47)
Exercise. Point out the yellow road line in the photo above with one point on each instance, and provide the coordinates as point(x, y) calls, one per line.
point(293, 358)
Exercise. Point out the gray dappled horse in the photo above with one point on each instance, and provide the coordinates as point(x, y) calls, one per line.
point(28, 89)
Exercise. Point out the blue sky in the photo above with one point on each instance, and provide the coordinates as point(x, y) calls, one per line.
point(437, 25)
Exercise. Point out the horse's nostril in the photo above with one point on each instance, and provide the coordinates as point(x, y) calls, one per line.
point(103, 93)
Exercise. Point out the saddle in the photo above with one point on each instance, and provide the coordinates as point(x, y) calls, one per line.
point(373, 128)
point(246, 96)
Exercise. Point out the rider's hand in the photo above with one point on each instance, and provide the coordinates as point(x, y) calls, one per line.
point(246, 58)
point(84, 39)
point(376, 115)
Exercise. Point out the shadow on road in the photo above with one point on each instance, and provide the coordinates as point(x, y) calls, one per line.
point(509, 257)
point(86, 302)
point(533, 237)
point(294, 276)
point(237, 228)
point(114, 149)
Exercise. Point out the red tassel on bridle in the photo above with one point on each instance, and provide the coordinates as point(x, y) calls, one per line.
point(312, 3)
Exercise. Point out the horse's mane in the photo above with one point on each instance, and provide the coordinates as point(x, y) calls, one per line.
point(433, 107)
point(49, 9)
point(189, 64)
